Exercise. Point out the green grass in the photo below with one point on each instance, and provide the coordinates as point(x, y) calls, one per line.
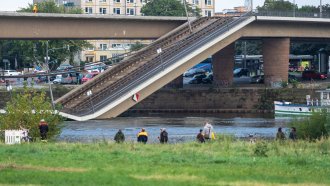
point(224, 162)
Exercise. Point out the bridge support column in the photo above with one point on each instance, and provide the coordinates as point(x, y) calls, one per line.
point(276, 53)
point(176, 83)
point(223, 64)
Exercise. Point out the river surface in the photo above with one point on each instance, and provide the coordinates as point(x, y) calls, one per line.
point(180, 129)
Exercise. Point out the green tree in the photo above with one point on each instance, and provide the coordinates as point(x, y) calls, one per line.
point(313, 127)
point(253, 47)
point(52, 7)
point(137, 46)
point(29, 53)
point(168, 8)
point(277, 5)
point(26, 109)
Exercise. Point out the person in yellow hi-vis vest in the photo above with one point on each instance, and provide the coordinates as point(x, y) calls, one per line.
point(212, 136)
point(35, 8)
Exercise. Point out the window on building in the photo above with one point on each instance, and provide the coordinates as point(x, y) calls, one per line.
point(90, 48)
point(116, 10)
point(126, 45)
point(103, 10)
point(208, 13)
point(130, 11)
point(130, 1)
point(208, 2)
point(88, 10)
point(88, 1)
point(116, 1)
point(103, 58)
point(103, 1)
point(103, 46)
point(196, 2)
point(115, 54)
point(89, 58)
point(116, 45)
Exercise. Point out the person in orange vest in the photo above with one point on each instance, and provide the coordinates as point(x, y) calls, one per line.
point(35, 8)
point(43, 128)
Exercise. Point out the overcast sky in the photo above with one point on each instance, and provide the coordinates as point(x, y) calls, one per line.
point(12, 5)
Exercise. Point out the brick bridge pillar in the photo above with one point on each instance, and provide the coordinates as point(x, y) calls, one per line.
point(276, 53)
point(176, 83)
point(223, 65)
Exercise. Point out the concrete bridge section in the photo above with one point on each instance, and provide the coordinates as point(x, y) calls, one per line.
point(148, 71)
point(82, 26)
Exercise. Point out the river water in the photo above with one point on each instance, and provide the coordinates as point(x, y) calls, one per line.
point(180, 129)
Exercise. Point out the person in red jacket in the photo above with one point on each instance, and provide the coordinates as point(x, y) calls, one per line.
point(43, 128)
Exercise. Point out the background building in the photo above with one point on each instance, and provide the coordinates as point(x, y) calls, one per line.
point(104, 49)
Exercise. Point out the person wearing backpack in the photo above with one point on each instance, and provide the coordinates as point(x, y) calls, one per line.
point(163, 137)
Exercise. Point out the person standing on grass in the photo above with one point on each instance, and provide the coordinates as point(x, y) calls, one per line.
point(293, 134)
point(200, 136)
point(280, 135)
point(142, 136)
point(43, 128)
point(207, 131)
point(119, 137)
point(163, 137)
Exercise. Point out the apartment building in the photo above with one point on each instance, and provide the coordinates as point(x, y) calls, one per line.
point(104, 49)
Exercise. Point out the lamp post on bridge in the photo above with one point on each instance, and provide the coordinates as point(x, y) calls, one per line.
point(321, 9)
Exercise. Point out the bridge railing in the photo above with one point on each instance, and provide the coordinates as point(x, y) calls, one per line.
point(292, 14)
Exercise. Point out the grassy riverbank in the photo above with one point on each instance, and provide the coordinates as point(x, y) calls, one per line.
point(224, 162)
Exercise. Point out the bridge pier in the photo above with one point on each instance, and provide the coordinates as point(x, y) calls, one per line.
point(223, 65)
point(276, 53)
point(176, 83)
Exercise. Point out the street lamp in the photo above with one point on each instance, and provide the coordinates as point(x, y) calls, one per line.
point(294, 8)
point(321, 9)
point(185, 8)
point(159, 51)
point(48, 78)
point(89, 94)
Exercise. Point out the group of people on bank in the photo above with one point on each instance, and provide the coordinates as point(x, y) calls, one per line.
point(281, 136)
point(205, 134)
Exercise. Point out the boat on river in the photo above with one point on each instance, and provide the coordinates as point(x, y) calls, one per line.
point(312, 105)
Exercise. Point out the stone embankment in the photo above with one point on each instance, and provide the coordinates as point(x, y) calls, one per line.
point(227, 100)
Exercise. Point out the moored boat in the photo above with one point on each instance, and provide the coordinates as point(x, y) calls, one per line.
point(312, 105)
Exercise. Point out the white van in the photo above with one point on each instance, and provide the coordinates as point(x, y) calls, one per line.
point(11, 73)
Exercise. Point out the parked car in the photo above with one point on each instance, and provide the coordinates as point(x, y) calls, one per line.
point(257, 79)
point(197, 79)
point(208, 79)
point(89, 76)
point(293, 68)
point(64, 67)
point(241, 72)
point(11, 73)
point(194, 71)
point(67, 78)
point(311, 74)
point(95, 66)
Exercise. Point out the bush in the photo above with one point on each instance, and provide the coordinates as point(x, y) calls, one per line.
point(294, 83)
point(261, 149)
point(26, 109)
point(284, 84)
point(313, 127)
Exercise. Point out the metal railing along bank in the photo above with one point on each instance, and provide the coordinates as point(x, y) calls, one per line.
point(131, 60)
point(170, 56)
